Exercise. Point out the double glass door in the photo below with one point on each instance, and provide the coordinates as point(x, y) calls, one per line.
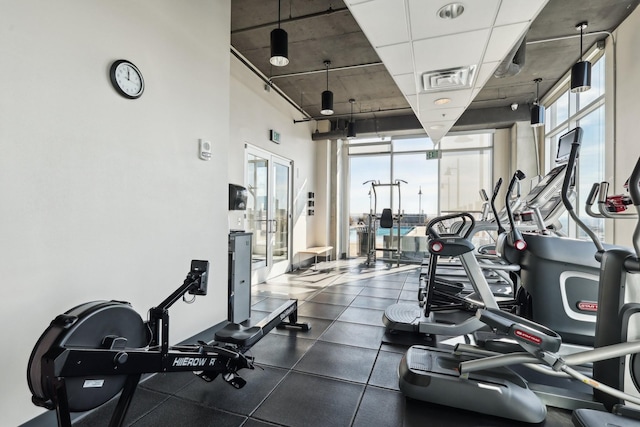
point(268, 211)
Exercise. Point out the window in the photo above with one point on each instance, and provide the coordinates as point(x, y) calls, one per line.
point(430, 185)
point(587, 110)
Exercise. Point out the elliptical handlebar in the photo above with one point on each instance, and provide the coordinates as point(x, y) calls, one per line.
point(494, 196)
point(514, 237)
point(591, 199)
point(634, 184)
point(517, 176)
point(566, 184)
point(634, 193)
point(463, 215)
point(604, 200)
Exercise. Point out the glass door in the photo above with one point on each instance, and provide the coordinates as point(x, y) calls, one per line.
point(268, 212)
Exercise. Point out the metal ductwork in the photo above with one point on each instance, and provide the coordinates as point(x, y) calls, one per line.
point(514, 62)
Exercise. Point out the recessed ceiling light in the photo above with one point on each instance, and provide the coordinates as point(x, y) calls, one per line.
point(436, 127)
point(442, 101)
point(451, 11)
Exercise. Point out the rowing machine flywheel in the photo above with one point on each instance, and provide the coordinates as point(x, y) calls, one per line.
point(85, 326)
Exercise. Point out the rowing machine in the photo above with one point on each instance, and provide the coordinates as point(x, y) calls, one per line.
point(95, 350)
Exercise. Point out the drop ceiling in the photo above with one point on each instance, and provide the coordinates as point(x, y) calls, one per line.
point(380, 51)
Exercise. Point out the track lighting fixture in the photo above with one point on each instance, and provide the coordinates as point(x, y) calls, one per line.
point(537, 110)
point(327, 95)
point(279, 45)
point(581, 70)
point(351, 127)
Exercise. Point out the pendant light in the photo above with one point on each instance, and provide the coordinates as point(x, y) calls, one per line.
point(351, 127)
point(279, 45)
point(327, 95)
point(581, 70)
point(537, 110)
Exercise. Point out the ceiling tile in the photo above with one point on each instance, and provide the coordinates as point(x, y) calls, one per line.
point(354, 2)
point(437, 130)
point(431, 113)
point(452, 51)
point(503, 39)
point(475, 93)
point(413, 102)
point(484, 73)
point(397, 58)
point(406, 83)
point(425, 22)
point(374, 18)
point(519, 10)
point(459, 98)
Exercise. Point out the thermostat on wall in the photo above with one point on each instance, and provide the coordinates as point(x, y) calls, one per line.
point(205, 149)
point(274, 136)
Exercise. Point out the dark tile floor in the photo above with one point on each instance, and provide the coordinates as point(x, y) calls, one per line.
point(337, 374)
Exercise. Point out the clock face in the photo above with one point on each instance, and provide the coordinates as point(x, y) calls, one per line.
point(127, 79)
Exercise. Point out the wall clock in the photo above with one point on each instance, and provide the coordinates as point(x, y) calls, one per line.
point(127, 79)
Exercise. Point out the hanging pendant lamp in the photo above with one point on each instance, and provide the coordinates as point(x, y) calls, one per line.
point(327, 95)
point(279, 45)
point(581, 70)
point(537, 110)
point(351, 127)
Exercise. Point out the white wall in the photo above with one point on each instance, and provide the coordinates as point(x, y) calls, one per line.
point(254, 111)
point(104, 197)
point(627, 148)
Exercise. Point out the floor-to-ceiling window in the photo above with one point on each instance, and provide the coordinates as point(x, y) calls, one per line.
point(587, 110)
point(465, 169)
point(428, 181)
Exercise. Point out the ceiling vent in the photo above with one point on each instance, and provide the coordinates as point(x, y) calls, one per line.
point(451, 79)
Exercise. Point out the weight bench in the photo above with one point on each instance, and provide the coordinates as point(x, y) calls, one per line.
point(315, 251)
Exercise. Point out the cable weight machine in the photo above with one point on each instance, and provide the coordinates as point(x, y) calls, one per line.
point(385, 220)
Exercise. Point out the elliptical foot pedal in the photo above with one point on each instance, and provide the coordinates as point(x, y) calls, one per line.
point(592, 418)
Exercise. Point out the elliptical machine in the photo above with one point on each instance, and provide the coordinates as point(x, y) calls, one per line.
point(95, 350)
point(446, 307)
point(473, 378)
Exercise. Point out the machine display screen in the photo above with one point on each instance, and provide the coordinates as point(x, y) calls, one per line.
point(564, 144)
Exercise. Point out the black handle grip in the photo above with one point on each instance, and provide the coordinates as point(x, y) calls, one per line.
point(517, 176)
point(464, 216)
point(591, 198)
point(568, 174)
point(496, 189)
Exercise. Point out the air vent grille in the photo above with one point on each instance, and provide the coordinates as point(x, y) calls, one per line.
point(451, 79)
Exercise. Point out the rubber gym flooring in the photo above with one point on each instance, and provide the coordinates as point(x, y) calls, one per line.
point(337, 374)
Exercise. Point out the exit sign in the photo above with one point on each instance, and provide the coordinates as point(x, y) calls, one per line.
point(274, 136)
point(433, 154)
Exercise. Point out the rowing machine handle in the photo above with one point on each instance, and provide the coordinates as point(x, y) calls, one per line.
point(199, 274)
